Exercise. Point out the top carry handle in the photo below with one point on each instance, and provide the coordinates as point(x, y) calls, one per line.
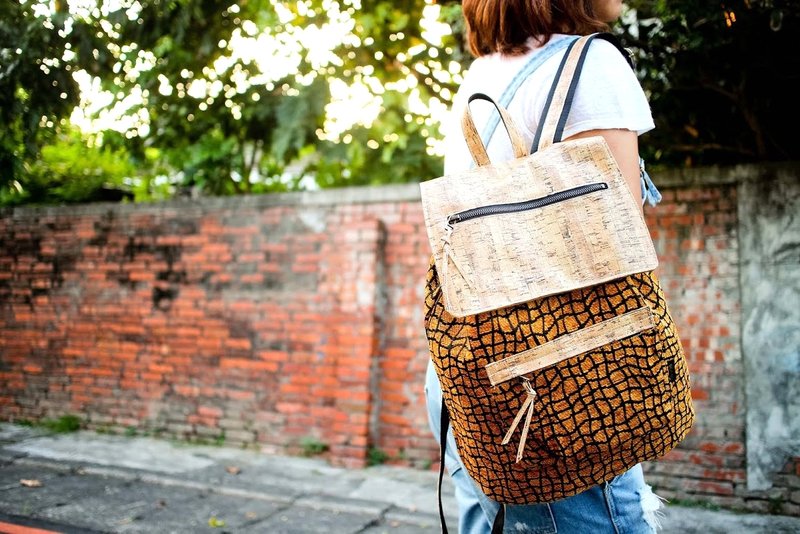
point(477, 147)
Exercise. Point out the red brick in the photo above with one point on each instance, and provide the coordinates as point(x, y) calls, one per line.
point(709, 447)
point(152, 377)
point(158, 368)
point(305, 268)
point(273, 355)
point(300, 390)
point(240, 395)
point(715, 488)
point(242, 306)
point(238, 343)
point(734, 448)
point(253, 365)
point(209, 411)
point(97, 371)
point(290, 407)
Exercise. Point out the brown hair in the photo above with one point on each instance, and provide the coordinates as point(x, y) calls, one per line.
point(506, 25)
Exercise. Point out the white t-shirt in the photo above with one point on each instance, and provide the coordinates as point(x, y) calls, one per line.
point(608, 96)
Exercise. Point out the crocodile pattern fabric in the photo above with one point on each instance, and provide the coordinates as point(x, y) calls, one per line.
point(593, 416)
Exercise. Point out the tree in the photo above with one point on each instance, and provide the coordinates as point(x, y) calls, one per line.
point(37, 90)
point(722, 78)
point(233, 95)
point(237, 95)
point(68, 170)
point(250, 96)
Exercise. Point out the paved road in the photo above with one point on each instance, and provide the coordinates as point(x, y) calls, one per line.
point(89, 482)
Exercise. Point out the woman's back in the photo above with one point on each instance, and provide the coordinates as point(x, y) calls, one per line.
point(608, 96)
point(608, 102)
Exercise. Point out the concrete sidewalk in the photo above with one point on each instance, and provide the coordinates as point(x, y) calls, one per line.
point(91, 482)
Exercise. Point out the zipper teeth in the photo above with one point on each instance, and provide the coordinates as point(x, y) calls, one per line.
point(535, 203)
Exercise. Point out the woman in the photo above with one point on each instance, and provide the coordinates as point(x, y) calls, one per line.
point(506, 35)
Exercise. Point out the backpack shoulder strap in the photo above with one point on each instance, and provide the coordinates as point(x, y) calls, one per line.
point(562, 91)
point(548, 51)
point(614, 40)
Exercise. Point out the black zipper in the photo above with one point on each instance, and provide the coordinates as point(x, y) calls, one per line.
point(535, 203)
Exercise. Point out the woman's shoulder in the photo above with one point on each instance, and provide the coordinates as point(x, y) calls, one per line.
point(608, 94)
point(604, 55)
point(607, 69)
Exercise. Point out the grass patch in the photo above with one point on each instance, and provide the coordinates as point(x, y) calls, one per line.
point(776, 505)
point(376, 456)
point(62, 425)
point(312, 446)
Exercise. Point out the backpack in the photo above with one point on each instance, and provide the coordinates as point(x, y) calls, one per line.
point(559, 363)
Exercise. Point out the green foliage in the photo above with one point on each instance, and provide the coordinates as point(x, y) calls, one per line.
point(376, 456)
point(36, 86)
point(312, 446)
point(775, 506)
point(105, 429)
point(154, 180)
point(69, 170)
point(251, 127)
point(722, 78)
point(64, 424)
point(230, 99)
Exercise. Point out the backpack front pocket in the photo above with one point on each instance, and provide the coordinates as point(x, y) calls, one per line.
point(603, 399)
point(588, 388)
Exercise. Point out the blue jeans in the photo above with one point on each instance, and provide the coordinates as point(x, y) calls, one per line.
point(625, 505)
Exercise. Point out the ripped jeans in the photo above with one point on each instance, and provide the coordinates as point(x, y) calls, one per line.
point(625, 505)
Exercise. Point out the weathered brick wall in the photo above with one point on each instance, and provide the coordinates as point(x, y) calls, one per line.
point(695, 233)
point(192, 321)
point(290, 321)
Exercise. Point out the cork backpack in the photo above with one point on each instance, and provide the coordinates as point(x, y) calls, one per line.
point(559, 362)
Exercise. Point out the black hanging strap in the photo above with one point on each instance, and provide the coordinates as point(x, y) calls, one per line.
point(499, 520)
point(611, 38)
point(444, 425)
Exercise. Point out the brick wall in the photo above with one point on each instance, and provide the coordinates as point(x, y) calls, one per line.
point(289, 322)
point(695, 233)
